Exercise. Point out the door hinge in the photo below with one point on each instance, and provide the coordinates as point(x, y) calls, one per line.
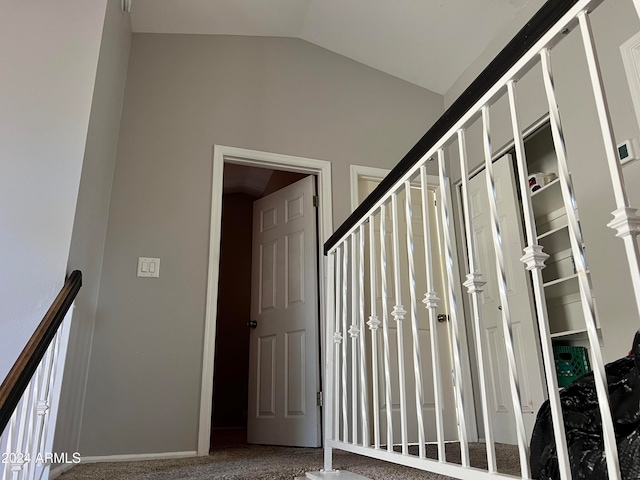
point(316, 201)
point(319, 399)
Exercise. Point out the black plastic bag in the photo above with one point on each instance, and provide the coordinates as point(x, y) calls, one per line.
point(583, 424)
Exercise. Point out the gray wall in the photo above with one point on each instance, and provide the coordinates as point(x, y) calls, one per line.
point(184, 94)
point(48, 53)
point(613, 23)
point(90, 225)
point(494, 47)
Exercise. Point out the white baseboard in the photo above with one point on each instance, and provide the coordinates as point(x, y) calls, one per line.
point(59, 470)
point(138, 456)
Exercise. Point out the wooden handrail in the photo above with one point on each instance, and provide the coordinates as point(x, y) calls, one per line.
point(25, 366)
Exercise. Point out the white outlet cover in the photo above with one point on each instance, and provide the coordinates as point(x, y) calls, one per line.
point(148, 267)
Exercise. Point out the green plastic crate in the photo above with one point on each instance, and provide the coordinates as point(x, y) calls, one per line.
point(571, 363)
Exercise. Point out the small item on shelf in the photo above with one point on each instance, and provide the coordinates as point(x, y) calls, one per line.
point(536, 181)
point(549, 177)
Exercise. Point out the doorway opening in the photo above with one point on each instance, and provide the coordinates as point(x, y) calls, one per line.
point(242, 186)
point(248, 175)
point(363, 182)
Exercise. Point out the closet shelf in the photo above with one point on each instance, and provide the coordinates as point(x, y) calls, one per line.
point(562, 287)
point(547, 199)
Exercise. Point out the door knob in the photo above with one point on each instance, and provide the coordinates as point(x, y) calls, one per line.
point(252, 324)
point(443, 318)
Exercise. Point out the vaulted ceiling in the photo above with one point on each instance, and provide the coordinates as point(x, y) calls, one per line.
point(426, 42)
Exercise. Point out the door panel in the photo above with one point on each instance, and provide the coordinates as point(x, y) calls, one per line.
point(524, 327)
point(284, 357)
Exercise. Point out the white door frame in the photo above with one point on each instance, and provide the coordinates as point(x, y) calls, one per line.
point(358, 172)
point(252, 158)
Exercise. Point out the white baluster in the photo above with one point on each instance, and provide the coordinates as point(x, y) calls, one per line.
point(364, 403)
point(534, 259)
point(31, 440)
point(417, 357)
point(26, 413)
point(7, 444)
point(330, 389)
point(11, 447)
point(354, 331)
point(44, 405)
point(431, 302)
point(42, 408)
point(575, 238)
point(457, 363)
point(337, 341)
point(398, 313)
point(345, 392)
point(373, 324)
point(385, 326)
point(475, 286)
point(331, 367)
point(504, 299)
point(49, 387)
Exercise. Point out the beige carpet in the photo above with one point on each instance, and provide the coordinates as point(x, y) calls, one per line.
point(274, 463)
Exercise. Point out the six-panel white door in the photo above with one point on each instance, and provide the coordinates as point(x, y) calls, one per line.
point(525, 332)
point(283, 354)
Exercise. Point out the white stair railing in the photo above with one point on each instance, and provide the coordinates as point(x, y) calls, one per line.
point(381, 376)
point(26, 443)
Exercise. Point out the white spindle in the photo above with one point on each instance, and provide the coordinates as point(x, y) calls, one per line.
point(385, 326)
point(50, 376)
point(374, 324)
point(575, 238)
point(626, 221)
point(354, 331)
point(398, 313)
point(31, 440)
point(431, 302)
point(504, 299)
point(417, 357)
point(364, 403)
point(337, 341)
point(7, 437)
point(345, 392)
point(475, 286)
point(26, 413)
point(534, 259)
point(448, 260)
point(330, 358)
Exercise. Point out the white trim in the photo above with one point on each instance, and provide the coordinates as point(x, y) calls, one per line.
point(425, 464)
point(138, 456)
point(59, 470)
point(359, 172)
point(222, 154)
point(363, 172)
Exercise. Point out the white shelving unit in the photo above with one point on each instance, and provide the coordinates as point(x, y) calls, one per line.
point(564, 307)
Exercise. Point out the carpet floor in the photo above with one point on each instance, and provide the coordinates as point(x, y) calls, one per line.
point(256, 462)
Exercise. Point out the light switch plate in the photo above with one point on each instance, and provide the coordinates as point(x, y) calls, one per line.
point(148, 267)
